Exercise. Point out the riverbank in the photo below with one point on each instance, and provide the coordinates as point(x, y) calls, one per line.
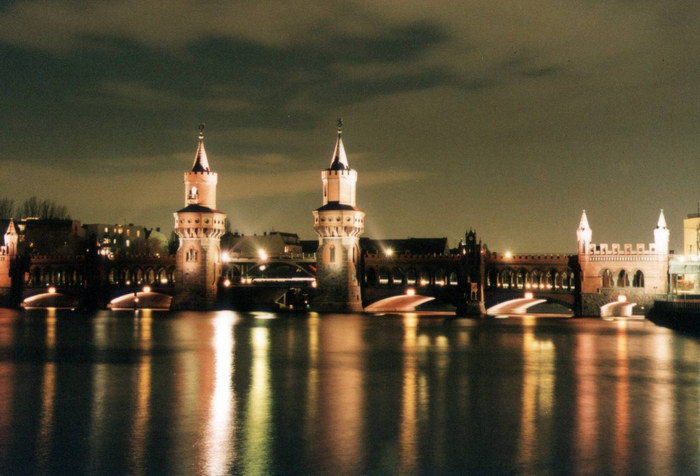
point(679, 315)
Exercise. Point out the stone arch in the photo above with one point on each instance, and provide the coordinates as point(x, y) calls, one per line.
point(506, 278)
point(538, 278)
point(492, 278)
point(440, 278)
point(383, 276)
point(606, 278)
point(623, 279)
point(638, 279)
point(424, 278)
point(550, 278)
point(520, 278)
point(411, 277)
point(371, 277)
point(453, 279)
point(397, 277)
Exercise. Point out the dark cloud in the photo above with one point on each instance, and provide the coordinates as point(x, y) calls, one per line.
point(505, 116)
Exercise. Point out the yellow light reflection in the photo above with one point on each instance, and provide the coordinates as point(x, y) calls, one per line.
point(586, 423)
point(407, 436)
point(622, 413)
point(538, 391)
point(256, 428)
point(219, 447)
point(140, 427)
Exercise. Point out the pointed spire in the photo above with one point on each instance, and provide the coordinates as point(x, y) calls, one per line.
point(339, 161)
point(201, 163)
point(11, 230)
point(583, 224)
point(662, 220)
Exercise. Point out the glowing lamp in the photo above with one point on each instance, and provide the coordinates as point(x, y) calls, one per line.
point(227, 282)
point(313, 283)
point(52, 290)
point(528, 295)
point(262, 254)
point(410, 292)
point(622, 298)
point(508, 255)
point(389, 252)
point(147, 289)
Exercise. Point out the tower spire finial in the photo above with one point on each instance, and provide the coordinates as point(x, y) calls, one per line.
point(201, 130)
point(340, 125)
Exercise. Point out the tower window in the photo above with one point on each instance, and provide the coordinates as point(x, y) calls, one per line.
point(332, 254)
point(194, 193)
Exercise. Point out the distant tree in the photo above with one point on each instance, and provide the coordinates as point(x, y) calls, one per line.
point(43, 209)
point(7, 208)
point(148, 247)
point(173, 244)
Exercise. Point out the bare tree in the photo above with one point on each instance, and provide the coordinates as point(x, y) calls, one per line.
point(7, 208)
point(43, 209)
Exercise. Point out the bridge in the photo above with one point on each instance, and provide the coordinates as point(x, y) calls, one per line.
point(392, 278)
point(447, 278)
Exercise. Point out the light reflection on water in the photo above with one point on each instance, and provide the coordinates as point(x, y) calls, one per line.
point(224, 392)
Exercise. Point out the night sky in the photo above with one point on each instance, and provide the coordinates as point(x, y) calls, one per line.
point(508, 117)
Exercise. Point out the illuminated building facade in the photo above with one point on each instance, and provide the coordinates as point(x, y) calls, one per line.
point(684, 269)
point(338, 224)
point(199, 227)
point(8, 251)
point(637, 272)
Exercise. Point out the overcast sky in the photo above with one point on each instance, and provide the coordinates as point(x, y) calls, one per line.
point(508, 117)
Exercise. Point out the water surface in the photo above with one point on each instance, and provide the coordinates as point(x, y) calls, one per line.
point(225, 392)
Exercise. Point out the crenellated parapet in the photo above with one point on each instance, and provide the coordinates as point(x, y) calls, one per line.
point(611, 270)
point(626, 249)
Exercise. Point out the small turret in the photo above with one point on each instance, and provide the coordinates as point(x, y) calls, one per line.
point(11, 239)
point(661, 235)
point(584, 234)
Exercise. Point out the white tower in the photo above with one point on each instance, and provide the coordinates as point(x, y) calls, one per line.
point(338, 224)
point(11, 239)
point(661, 235)
point(199, 226)
point(584, 234)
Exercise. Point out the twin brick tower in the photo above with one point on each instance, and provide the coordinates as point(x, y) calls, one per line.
point(338, 224)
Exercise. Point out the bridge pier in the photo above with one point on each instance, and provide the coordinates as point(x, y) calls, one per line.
point(470, 308)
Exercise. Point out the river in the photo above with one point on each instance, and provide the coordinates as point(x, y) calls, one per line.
point(262, 393)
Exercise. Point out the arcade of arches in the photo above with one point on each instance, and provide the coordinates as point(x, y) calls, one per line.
point(551, 279)
point(120, 276)
point(419, 277)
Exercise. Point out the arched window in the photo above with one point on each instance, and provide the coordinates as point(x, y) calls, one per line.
point(607, 279)
point(194, 193)
point(638, 280)
point(623, 280)
point(331, 252)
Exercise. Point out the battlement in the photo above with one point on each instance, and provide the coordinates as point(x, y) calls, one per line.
point(201, 174)
point(529, 258)
point(626, 249)
point(347, 172)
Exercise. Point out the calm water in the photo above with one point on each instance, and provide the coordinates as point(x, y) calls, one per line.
point(221, 392)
